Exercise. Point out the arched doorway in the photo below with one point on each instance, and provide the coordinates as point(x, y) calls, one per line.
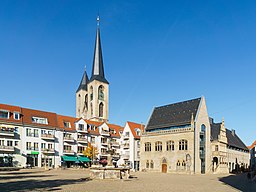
point(164, 166)
point(214, 163)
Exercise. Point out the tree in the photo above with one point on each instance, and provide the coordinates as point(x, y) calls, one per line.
point(90, 151)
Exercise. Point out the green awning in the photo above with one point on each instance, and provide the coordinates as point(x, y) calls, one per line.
point(69, 158)
point(83, 159)
point(34, 152)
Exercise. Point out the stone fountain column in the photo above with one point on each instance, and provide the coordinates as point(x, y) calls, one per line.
point(110, 152)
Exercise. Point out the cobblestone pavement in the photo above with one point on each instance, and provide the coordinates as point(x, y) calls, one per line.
point(78, 180)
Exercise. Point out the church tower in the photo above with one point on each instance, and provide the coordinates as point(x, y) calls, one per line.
point(82, 97)
point(92, 95)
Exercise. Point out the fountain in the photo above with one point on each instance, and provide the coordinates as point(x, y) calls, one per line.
point(110, 171)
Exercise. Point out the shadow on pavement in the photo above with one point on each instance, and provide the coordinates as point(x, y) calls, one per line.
point(42, 185)
point(22, 176)
point(239, 182)
point(20, 173)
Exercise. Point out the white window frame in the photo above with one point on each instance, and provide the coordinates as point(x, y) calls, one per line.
point(66, 123)
point(40, 120)
point(8, 112)
point(14, 115)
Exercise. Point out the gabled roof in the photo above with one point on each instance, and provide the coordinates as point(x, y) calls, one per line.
point(11, 109)
point(233, 139)
point(84, 82)
point(29, 113)
point(173, 115)
point(98, 68)
point(133, 126)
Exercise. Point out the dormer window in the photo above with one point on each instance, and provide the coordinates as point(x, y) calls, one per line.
point(112, 131)
point(81, 127)
point(16, 116)
point(40, 120)
point(4, 114)
point(66, 124)
point(137, 132)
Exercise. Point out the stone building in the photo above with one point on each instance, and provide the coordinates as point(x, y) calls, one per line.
point(92, 94)
point(181, 137)
point(229, 153)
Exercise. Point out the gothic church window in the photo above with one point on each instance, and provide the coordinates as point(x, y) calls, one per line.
point(101, 110)
point(86, 101)
point(202, 128)
point(101, 93)
point(91, 93)
point(183, 144)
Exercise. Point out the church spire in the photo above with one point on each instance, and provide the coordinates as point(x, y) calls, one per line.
point(84, 81)
point(98, 68)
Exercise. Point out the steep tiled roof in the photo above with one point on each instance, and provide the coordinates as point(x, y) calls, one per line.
point(117, 129)
point(233, 139)
point(96, 124)
point(11, 109)
point(29, 113)
point(133, 126)
point(70, 120)
point(174, 114)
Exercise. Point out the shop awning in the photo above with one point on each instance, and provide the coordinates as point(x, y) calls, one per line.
point(84, 159)
point(34, 153)
point(69, 158)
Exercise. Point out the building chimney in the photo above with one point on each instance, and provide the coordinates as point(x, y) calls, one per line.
point(233, 132)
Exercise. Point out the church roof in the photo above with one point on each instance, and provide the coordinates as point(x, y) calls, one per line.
point(84, 82)
point(233, 139)
point(98, 68)
point(173, 115)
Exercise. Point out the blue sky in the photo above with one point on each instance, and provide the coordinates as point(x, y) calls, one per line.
point(155, 53)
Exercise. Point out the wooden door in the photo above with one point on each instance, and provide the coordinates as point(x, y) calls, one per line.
point(164, 168)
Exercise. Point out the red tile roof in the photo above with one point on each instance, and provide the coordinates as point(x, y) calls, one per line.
point(11, 109)
point(96, 124)
point(134, 126)
point(252, 145)
point(68, 119)
point(116, 128)
point(54, 120)
point(29, 113)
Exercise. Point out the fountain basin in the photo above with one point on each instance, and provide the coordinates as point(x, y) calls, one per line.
point(109, 173)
